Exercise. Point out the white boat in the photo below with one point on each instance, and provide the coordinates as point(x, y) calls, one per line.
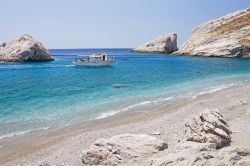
point(94, 60)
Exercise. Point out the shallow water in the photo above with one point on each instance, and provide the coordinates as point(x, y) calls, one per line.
point(40, 95)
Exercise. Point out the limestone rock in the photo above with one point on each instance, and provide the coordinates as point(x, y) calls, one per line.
point(115, 151)
point(164, 44)
point(208, 127)
point(199, 154)
point(204, 134)
point(124, 149)
point(227, 36)
point(25, 48)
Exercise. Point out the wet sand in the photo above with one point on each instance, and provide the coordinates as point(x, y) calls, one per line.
point(62, 146)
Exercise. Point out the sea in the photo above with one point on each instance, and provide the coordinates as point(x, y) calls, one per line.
point(41, 95)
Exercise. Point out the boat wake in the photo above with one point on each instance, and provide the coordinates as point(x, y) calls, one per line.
point(33, 66)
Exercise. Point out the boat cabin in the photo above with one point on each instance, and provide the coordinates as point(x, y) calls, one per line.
point(94, 60)
point(102, 57)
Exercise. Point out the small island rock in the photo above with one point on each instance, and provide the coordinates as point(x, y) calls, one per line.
point(164, 44)
point(23, 49)
point(227, 36)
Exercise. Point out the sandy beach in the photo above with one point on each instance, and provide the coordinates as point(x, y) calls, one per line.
point(128, 83)
point(63, 146)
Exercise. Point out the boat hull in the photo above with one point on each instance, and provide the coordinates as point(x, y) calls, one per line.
point(94, 63)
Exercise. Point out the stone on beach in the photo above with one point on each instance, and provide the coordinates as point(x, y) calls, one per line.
point(25, 48)
point(227, 36)
point(164, 44)
point(205, 133)
point(44, 164)
point(121, 149)
point(198, 154)
point(208, 127)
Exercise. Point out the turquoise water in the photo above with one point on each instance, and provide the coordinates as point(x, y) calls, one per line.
point(35, 96)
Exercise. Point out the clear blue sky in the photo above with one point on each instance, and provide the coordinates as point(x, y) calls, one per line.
point(107, 23)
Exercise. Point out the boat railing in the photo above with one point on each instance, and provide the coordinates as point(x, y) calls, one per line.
point(85, 58)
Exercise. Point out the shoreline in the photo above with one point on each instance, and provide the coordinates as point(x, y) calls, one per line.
point(65, 143)
point(133, 107)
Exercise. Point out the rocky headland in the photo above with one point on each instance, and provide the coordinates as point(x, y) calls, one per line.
point(227, 36)
point(164, 44)
point(24, 49)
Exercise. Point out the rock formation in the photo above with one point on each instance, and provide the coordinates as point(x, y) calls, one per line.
point(164, 44)
point(201, 154)
point(208, 127)
point(25, 48)
point(205, 134)
point(121, 149)
point(228, 36)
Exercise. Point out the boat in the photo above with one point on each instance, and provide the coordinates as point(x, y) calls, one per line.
point(94, 60)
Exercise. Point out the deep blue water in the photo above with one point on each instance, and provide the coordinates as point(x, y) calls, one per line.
point(40, 95)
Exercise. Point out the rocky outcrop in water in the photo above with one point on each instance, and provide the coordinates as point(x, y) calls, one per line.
point(25, 48)
point(208, 127)
point(164, 44)
point(205, 135)
point(120, 85)
point(228, 36)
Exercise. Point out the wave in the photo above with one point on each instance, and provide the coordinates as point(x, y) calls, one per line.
point(113, 112)
point(206, 91)
point(213, 90)
point(21, 133)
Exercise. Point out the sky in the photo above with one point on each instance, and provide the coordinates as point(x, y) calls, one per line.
point(107, 23)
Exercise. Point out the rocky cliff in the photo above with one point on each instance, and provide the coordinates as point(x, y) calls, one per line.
point(227, 36)
point(164, 44)
point(25, 48)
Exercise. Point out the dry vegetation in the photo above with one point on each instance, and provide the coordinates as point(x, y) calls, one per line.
point(245, 41)
point(232, 26)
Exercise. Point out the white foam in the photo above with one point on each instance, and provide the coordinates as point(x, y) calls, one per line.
point(162, 99)
point(53, 66)
point(21, 133)
point(113, 112)
point(69, 65)
point(107, 114)
point(33, 66)
point(14, 134)
point(15, 66)
point(212, 90)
